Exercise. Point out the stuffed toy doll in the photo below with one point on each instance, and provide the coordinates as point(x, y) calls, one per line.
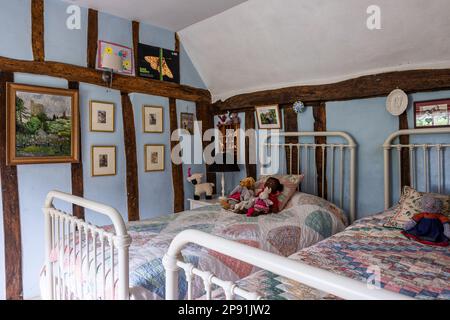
point(262, 204)
point(267, 200)
point(430, 226)
point(243, 192)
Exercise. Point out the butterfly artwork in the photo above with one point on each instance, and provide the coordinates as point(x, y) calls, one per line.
point(159, 64)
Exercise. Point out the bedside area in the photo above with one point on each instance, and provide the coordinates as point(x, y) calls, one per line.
point(195, 204)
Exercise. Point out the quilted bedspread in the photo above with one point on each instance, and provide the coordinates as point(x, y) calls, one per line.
point(406, 267)
point(306, 221)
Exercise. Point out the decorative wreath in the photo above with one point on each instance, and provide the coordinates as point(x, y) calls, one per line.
point(299, 107)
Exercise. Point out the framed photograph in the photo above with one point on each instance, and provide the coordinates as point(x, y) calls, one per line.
point(154, 157)
point(432, 114)
point(42, 125)
point(187, 122)
point(152, 119)
point(103, 161)
point(125, 53)
point(268, 117)
point(102, 116)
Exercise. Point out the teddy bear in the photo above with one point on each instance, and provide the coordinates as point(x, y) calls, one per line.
point(243, 192)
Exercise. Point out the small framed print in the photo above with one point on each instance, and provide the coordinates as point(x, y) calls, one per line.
point(187, 122)
point(103, 161)
point(152, 119)
point(268, 117)
point(102, 116)
point(154, 157)
point(432, 114)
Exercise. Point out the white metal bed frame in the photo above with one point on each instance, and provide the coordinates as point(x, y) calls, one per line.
point(390, 145)
point(65, 231)
point(304, 152)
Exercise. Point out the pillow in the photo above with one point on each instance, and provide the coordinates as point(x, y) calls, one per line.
point(410, 204)
point(290, 184)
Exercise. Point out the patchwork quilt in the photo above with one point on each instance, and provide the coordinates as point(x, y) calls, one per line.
point(406, 267)
point(306, 221)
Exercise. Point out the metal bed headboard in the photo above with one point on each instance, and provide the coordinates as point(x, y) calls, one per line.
point(335, 153)
point(414, 148)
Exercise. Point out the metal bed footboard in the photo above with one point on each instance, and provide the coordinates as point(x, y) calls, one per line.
point(314, 277)
point(73, 243)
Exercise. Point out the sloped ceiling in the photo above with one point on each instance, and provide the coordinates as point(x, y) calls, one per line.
point(266, 44)
point(173, 15)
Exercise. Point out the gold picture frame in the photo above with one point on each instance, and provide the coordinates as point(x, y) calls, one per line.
point(106, 163)
point(105, 118)
point(42, 125)
point(152, 119)
point(154, 157)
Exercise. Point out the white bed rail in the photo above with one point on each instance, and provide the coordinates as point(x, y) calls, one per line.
point(414, 149)
point(336, 164)
point(337, 285)
point(73, 243)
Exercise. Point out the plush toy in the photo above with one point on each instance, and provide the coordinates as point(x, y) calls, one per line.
point(430, 226)
point(260, 204)
point(200, 188)
point(242, 192)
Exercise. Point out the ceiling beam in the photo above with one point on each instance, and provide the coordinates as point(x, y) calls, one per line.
point(122, 83)
point(359, 88)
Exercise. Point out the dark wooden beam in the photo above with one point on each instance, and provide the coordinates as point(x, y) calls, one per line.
point(291, 125)
point(77, 168)
point(122, 83)
point(10, 202)
point(177, 42)
point(177, 169)
point(206, 117)
point(358, 88)
point(131, 158)
point(136, 28)
point(92, 38)
point(320, 124)
point(250, 124)
point(404, 156)
point(37, 29)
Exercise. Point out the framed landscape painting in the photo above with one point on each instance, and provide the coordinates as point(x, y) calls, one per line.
point(268, 117)
point(101, 116)
point(42, 125)
point(432, 114)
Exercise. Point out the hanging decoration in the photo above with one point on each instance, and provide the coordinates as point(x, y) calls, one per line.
point(299, 107)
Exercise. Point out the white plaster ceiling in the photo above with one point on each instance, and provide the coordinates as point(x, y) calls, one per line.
point(173, 15)
point(265, 44)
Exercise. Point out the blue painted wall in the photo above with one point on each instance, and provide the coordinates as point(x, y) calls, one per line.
point(368, 122)
point(35, 181)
